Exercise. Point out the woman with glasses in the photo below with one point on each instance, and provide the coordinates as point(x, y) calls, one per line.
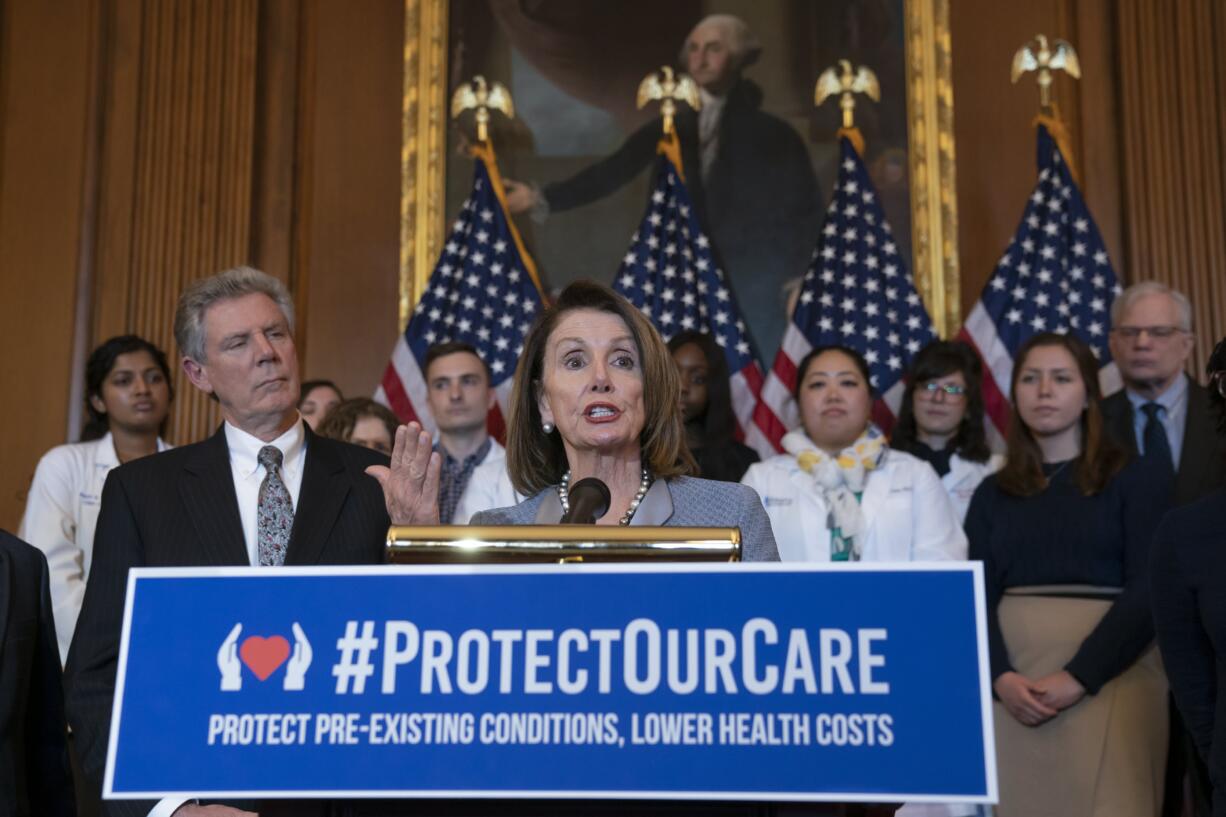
point(1064, 530)
point(941, 419)
point(1188, 575)
point(841, 493)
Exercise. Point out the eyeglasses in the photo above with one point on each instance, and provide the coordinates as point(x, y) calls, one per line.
point(1155, 332)
point(930, 389)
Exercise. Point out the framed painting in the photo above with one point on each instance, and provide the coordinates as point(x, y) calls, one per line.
point(578, 154)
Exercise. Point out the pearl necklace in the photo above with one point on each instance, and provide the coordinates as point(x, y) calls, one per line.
point(644, 484)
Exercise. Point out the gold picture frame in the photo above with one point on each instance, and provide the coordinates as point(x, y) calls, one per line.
point(930, 154)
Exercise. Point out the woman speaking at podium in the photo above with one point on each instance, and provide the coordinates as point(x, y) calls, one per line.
point(596, 395)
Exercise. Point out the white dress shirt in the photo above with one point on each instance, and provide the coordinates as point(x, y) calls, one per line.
point(248, 476)
point(60, 517)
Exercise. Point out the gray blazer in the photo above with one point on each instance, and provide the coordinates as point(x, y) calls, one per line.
point(677, 502)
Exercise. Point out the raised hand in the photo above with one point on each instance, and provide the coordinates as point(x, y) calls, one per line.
point(410, 485)
point(520, 197)
point(227, 661)
point(299, 661)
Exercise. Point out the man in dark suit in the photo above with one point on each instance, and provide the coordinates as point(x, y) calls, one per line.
point(35, 780)
point(263, 490)
point(1165, 417)
point(1161, 414)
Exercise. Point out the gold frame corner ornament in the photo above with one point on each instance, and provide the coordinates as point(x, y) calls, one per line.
point(930, 106)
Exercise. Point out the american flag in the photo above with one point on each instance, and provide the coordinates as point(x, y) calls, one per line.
point(1054, 277)
point(670, 274)
point(857, 293)
point(484, 290)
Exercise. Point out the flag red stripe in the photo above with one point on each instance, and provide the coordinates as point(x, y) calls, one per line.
point(397, 398)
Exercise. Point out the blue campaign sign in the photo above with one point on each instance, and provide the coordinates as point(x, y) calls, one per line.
point(745, 682)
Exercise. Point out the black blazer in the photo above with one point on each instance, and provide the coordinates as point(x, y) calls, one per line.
point(34, 776)
point(1188, 574)
point(179, 508)
point(1202, 458)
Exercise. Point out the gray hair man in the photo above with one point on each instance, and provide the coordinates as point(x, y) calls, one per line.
point(1162, 414)
point(262, 491)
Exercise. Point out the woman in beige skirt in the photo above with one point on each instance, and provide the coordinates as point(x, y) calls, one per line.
point(1064, 532)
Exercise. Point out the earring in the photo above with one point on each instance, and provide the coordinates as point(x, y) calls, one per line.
point(547, 427)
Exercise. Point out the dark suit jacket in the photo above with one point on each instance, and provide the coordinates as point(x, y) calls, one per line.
point(1188, 575)
point(1202, 458)
point(179, 508)
point(35, 780)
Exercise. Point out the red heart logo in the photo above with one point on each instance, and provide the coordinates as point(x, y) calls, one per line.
point(263, 655)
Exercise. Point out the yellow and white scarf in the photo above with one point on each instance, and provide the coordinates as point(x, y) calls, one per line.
point(840, 479)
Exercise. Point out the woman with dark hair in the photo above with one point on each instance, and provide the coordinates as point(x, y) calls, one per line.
point(1188, 568)
point(127, 396)
point(361, 421)
point(941, 419)
point(596, 394)
point(315, 399)
point(840, 493)
point(706, 408)
point(1064, 532)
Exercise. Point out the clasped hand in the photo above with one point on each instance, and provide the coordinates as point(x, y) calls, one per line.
point(1034, 702)
point(410, 485)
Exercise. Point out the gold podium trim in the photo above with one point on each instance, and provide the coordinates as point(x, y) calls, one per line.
point(537, 544)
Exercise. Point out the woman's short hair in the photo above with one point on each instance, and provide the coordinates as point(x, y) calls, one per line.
point(1216, 369)
point(536, 460)
point(942, 358)
point(817, 351)
point(233, 283)
point(100, 364)
point(718, 421)
point(1101, 457)
point(308, 386)
point(339, 422)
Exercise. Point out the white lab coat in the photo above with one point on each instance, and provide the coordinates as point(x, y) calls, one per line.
point(488, 488)
point(61, 513)
point(964, 477)
point(908, 515)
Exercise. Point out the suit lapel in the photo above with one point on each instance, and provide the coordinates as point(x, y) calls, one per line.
point(6, 598)
point(656, 507)
point(876, 491)
point(1118, 410)
point(1196, 454)
point(207, 490)
point(325, 486)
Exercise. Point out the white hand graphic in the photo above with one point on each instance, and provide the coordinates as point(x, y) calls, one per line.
point(295, 670)
point(227, 661)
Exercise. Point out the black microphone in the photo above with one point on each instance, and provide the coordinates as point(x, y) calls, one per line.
point(589, 500)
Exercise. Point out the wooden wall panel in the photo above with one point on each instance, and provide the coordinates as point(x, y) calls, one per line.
point(182, 141)
point(46, 69)
point(1173, 131)
point(349, 271)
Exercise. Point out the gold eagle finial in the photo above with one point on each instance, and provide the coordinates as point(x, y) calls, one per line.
point(1060, 56)
point(482, 96)
point(672, 87)
point(846, 82)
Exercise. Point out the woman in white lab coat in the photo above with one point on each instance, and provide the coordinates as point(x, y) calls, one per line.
point(841, 493)
point(128, 394)
point(941, 419)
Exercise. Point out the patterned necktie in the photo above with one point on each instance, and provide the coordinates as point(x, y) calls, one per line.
point(275, 513)
point(1157, 446)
